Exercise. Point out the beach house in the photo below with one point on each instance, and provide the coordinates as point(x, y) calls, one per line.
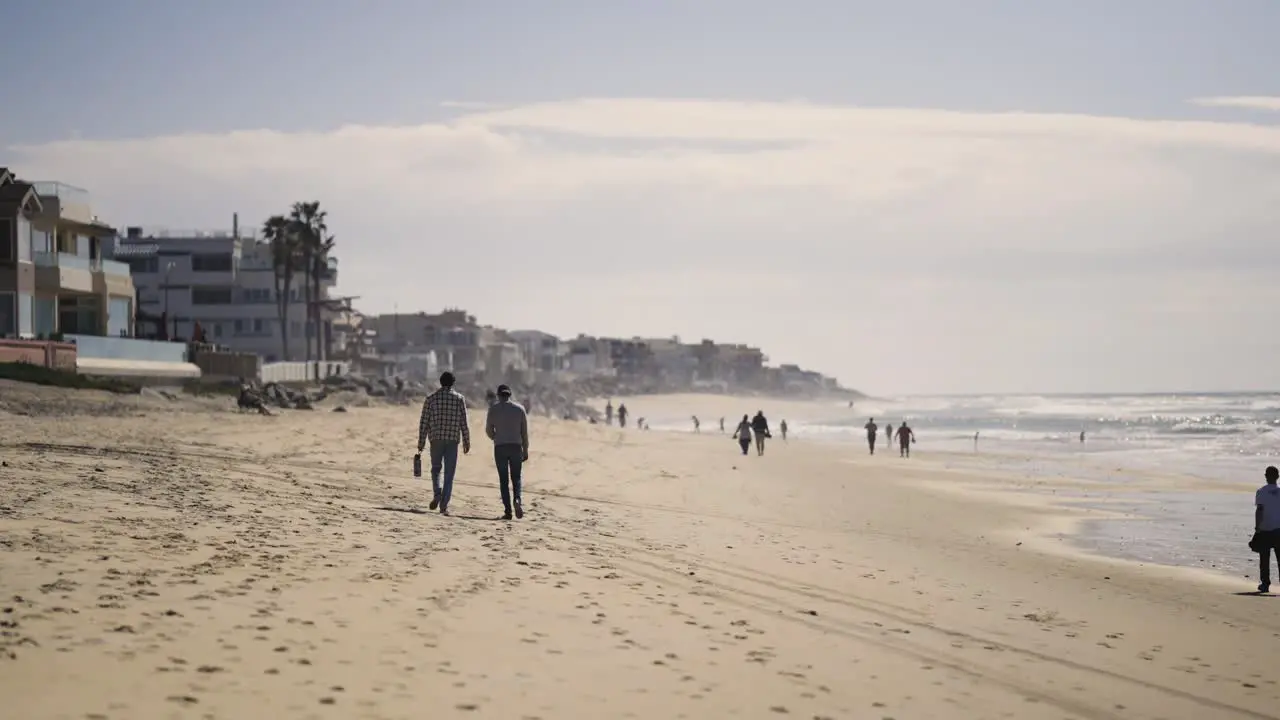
point(224, 282)
point(54, 278)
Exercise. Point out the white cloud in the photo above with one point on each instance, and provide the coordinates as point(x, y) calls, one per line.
point(1248, 102)
point(902, 249)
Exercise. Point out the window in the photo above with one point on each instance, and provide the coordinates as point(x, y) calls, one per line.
point(259, 325)
point(238, 327)
point(41, 241)
point(45, 315)
point(143, 265)
point(211, 262)
point(217, 330)
point(7, 240)
point(257, 296)
point(210, 296)
point(8, 315)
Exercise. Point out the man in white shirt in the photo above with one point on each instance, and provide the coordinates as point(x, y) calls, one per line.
point(1266, 526)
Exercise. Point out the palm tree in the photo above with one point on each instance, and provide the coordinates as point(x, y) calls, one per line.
point(308, 222)
point(278, 231)
point(318, 270)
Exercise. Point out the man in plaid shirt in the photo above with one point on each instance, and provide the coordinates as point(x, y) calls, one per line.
point(444, 423)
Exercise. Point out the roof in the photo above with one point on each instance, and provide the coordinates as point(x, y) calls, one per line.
point(19, 194)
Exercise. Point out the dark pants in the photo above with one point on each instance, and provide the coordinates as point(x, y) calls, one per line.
point(745, 444)
point(904, 448)
point(1271, 542)
point(444, 456)
point(510, 461)
point(871, 443)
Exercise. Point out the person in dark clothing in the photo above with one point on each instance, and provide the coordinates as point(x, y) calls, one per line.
point(1266, 527)
point(905, 437)
point(782, 427)
point(743, 434)
point(871, 434)
point(622, 415)
point(507, 425)
point(760, 426)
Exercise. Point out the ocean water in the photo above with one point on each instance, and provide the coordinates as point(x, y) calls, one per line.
point(1221, 440)
point(1222, 437)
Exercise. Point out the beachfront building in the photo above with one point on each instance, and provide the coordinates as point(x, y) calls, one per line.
point(542, 351)
point(54, 278)
point(453, 336)
point(224, 282)
point(590, 356)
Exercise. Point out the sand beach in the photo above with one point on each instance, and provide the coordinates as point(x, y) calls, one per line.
point(175, 559)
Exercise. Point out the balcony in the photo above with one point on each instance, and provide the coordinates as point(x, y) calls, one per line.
point(64, 260)
point(63, 272)
point(65, 201)
point(111, 267)
point(58, 272)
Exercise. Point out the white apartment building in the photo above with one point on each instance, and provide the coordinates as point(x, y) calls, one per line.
point(225, 282)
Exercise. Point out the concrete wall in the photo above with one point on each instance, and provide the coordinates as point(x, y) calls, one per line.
point(229, 365)
point(58, 355)
point(115, 348)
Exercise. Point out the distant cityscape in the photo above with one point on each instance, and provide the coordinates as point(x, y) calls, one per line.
point(127, 296)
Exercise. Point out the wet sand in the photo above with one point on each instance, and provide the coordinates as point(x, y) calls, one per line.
point(180, 560)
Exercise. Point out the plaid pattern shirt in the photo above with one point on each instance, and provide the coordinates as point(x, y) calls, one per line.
point(444, 418)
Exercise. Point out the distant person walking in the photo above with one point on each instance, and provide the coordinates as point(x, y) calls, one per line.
point(905, 437)
point(1081, 437)
point(760, 426)
point(888, 435)
point(871, 434)
point(782, 428)
point(1266, 527)
point(697, 425)
point(622, 415)
point(608, 413)
point(444, 423)
point(975, 441)
point(507, 425)
point(721, 424)
point(743, 434)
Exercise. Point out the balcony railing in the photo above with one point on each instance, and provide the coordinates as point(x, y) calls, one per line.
point(112, 267)
point(64, 192)
point(63, 260)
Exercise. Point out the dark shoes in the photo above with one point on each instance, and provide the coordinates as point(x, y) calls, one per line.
point(506, 515)
point(519, 511)
point(435, 503)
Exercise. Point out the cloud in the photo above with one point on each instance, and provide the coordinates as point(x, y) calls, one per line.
point(900, 248)
point(1251, 102)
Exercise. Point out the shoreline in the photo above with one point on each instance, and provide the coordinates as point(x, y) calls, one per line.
point(1092, 531)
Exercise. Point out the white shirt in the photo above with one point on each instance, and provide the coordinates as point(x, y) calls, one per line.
point(1268, 497)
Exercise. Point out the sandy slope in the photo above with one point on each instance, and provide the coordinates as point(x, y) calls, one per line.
point(157, 561)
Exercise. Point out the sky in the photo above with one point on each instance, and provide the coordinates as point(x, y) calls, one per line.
point(917, 196)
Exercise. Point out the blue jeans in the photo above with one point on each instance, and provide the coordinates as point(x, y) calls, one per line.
point(509, 458)
point(443, 456)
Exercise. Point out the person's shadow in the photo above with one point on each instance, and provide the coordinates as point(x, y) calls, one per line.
point(1253, 593)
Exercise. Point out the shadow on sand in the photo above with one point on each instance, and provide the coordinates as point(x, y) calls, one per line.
point(420, 511)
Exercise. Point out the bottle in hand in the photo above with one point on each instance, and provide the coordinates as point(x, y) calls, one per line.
point(417, 465)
